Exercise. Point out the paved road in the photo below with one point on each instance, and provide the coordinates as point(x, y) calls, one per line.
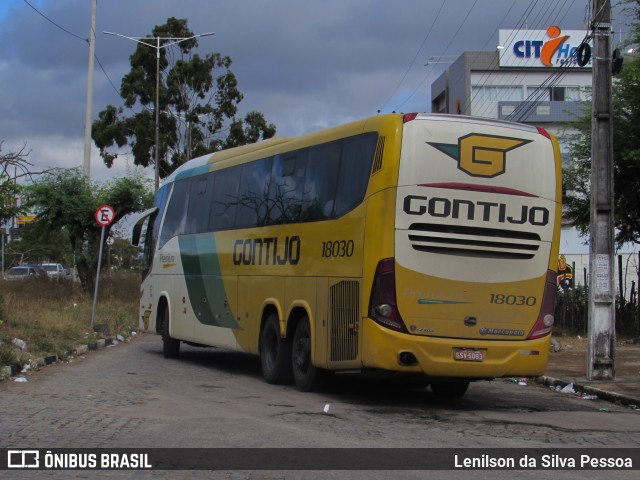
point(130, 396)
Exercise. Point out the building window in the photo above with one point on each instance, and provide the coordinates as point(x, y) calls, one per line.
point(496, 93)
point(558, 94)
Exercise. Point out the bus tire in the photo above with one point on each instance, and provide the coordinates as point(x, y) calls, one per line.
point(306, 376)
point(449, 389)
point(275, 353)
point(170, 346)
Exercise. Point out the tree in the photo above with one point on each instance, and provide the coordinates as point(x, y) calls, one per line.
point(195, 105)
point(13, 165)
point(66, 199)
point(626, 154)
point(37, 244)
point(253, 128)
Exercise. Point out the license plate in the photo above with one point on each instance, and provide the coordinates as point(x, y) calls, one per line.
point(468, 355)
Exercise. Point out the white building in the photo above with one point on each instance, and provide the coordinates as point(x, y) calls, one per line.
point(532, 77)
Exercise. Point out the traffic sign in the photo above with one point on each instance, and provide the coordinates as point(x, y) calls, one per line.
point(104, 215)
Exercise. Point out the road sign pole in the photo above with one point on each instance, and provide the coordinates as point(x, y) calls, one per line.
point(95, 292)
point(104, 217)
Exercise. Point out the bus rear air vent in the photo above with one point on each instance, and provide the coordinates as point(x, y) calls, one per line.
point(473, 241)
point(377, 160)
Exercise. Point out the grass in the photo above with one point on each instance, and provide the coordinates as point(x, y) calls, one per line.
point(53, 317)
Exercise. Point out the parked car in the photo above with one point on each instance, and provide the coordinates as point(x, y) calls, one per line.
point(67, 274)
point(53, 270)
point(21, 272)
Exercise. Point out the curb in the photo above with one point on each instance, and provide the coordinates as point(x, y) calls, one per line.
point(7, 372)
point(612, 397)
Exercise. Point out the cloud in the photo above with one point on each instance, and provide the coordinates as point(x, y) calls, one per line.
point(305, 65)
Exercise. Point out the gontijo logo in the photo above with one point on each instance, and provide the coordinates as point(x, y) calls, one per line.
point(481, 155)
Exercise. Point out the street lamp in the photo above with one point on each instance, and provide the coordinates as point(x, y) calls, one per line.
point(440, 59)
point(157, 46)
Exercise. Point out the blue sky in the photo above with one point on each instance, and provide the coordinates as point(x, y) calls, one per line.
point(304, 65)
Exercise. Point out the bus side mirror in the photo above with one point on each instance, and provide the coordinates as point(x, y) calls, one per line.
point(135, 235)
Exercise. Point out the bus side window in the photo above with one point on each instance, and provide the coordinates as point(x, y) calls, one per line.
point(200, 194)
point(355, 170)
point(176, 217)
point(321, 182)
point(147, 248)
point(161, 203)
point(285, 192)
point(254, 193)
point(225, 199)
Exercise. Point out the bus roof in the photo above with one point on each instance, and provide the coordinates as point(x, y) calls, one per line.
point(265, 148)
point(255, 151)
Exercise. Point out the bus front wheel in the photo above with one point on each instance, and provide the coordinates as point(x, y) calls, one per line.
point(275, 353)
point(306, 376)
point(170, 346)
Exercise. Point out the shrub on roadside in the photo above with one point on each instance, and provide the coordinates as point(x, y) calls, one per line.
point(8, 356)
point(54, 316)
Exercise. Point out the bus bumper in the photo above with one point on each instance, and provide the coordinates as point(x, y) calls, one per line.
point(435, 357)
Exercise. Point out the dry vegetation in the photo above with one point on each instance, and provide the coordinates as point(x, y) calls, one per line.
point(53, 317)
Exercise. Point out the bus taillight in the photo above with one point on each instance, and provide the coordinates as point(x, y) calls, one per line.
point(408, 117)
point(545, 318)
point(543, 132)
point(382, 303)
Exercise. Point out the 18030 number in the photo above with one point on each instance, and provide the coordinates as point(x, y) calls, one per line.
point(518, 300)
point(337, 248)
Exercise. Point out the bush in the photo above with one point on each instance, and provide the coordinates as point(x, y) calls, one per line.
point(54, 316)
point(8, 355)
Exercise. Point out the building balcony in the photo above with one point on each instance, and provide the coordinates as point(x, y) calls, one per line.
point(540, 112)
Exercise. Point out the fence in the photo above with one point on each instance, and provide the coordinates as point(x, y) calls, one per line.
point(572, 303)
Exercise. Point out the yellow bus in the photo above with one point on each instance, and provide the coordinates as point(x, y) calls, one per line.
point(420, 244)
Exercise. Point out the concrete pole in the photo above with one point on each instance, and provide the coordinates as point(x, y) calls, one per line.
point(157, 161)
point(602, 332)
point(89, 102)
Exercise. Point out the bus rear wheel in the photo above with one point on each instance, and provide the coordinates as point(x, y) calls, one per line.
point(449, 389)
point(275, 353)
point(306, 376)
point(170, 346)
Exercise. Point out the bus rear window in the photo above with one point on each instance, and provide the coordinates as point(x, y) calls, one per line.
point(355, 169)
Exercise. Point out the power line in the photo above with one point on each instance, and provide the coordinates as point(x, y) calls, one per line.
point(524, 109)
point(524, 20)
point(536, 97)
point(95, 56)
point(108, 79)
point(485, 76)
point(415, 56)
point(520, 114)
point(443, 53)
point(55, 24)
point(483, 47)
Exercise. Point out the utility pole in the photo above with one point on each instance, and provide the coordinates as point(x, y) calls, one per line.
point(89, 112)
point(602, 331)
